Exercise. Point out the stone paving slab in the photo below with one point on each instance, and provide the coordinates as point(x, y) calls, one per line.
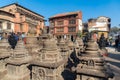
point(116, 71)
point(112, 50)
point(113, 60)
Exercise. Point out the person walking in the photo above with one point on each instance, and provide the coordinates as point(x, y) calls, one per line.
point(16, 37)
point(12, 41)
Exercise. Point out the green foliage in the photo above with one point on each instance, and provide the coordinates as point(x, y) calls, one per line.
point(114, 29)
point(79, 34)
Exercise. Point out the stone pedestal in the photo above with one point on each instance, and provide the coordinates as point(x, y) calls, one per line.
point(79, 46)
point(49, 63)
point(4, 54)
point(64, 50)
point(17, 72)
point(32, 44)
point(17, 64)
point(92, 65)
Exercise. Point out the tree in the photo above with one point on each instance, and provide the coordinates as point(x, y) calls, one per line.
point(114, 30)
point(79, 34)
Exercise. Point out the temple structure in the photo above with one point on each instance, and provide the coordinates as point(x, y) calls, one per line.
point(17, 63)
point(51, 60)
point(64, 49)
point(92, 65)
point(31, 42)
point(79, 45)
point(4, 54)
point(49, 63)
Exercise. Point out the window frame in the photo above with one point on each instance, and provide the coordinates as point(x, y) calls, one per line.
point(72, 29)
point(60, 23)
point(9, 25)
point(72, 21)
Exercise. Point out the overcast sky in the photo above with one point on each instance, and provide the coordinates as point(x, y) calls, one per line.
point(89, 8)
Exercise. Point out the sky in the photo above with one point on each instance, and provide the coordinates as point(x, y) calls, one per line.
point(89, 8)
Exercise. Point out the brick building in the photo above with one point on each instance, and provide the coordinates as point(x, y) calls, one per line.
point(67, 24)
point(17, 18)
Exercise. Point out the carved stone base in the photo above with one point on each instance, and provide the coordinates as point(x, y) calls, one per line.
point(2, 73)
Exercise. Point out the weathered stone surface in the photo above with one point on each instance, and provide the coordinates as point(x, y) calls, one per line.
point(19, 55)
point(4, 48)
point(17, 63)
point(64, 49)
point(92, 64)
point(4, 54)
point(45, 61)
point(48, 63)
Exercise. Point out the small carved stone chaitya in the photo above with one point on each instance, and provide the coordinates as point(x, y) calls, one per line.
point(32, 42)
point(4, 48)
point(63, 48)
point(17, 63)
point(71, 45)
point(92, 65)
point(79, 45)
point(42, 39)
point(4, 54)
point(48, 65)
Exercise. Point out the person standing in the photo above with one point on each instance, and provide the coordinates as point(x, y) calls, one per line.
point(102, 42)
point(12, 41)
point(16, 37)
point(117, 43)
point(23, 36)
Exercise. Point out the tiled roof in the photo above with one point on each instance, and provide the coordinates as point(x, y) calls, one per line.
point(23, 8)
point(2, 11)
point(65, 14)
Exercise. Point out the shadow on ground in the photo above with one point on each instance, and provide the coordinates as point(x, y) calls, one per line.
point(73, 61)
point(114, 56)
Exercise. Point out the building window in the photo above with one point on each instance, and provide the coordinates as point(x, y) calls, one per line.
point(73, 21)
point(60, 29)
point(72, 29)
point(8, 25)
point(21, 27)
point(59, 22)
point(0, 25)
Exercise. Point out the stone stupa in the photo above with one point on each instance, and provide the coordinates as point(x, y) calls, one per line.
point(49, 63)
point(92, 64)
point(64, 49)
point(4, 54)
point(17, 63)
point(31, 41)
